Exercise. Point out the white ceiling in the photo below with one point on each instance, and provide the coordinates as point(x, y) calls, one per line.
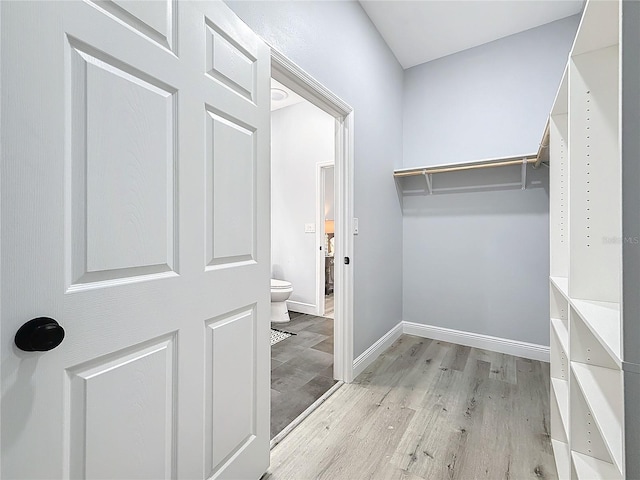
point(291, 99)
point(420, 31)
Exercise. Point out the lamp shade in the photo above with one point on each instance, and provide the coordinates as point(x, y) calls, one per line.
point(329, 226)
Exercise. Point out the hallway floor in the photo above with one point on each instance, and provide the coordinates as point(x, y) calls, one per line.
point(301, 367)
point(427, 409)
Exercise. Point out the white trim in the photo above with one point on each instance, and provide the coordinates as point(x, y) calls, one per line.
point(301, 307)
point(477, 340)
point(374, 351)
point(306, 86)
point(293, 77)
point(343, 274)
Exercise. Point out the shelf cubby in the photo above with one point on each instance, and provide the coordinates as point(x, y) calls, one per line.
point(603, 321)
point(596, 413)
point(586, 346)
point(594, 176)
point(559, 183)
point(561, 332)
point(586, 438)
point(599, 27)
point(559, 357)
point(560, 410)
point(558, 303)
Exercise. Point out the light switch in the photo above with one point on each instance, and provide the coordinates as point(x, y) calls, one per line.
point(355, 226)
point(309, 228)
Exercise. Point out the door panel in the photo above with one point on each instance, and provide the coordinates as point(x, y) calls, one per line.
point(231, 208)
point(231, 409)
point(135, 210)
point(156, 19)
point(116, 436)
point(125, 186)
point(231, 61)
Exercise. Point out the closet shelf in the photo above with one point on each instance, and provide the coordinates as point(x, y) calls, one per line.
point(428, 171)
point(535, 159)
point(588, 468)
point(598, 385)
point(457, 167)
point(562, 284)
point(603, 320)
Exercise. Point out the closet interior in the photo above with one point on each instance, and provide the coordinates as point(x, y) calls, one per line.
point(581, 145)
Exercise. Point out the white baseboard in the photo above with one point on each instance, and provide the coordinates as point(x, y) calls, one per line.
point(374, 351)
point(300, 307)
point(477, 340)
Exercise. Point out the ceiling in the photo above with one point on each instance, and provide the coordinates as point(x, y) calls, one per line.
point(290, 97)
point(421, 31)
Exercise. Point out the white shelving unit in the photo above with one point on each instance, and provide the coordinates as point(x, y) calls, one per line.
point(587, 388)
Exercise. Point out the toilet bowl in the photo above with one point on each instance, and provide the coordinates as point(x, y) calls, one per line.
point(280, 291)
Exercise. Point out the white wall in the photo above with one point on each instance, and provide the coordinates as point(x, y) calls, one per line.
point(479, 261)
point(329, 193)
point(338, 45)
point(302, 136)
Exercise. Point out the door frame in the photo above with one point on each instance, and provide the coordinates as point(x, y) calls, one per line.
point(320, 251)
point(295, 78)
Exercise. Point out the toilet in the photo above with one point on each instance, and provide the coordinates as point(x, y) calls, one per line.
point(280, 291)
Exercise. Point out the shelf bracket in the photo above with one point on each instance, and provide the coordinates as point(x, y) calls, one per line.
point(428, 179)
point(524, 173)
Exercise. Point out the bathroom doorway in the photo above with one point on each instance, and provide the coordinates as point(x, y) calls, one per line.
point(302, 250)
point(338, 331)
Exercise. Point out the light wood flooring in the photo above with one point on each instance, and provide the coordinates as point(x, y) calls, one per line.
point(427, 409)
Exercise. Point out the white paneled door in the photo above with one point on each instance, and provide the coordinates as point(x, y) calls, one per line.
point(135, 213)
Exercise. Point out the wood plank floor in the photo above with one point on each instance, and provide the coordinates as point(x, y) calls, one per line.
point(427, 409)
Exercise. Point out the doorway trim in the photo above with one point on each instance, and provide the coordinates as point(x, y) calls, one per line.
point(295, 78)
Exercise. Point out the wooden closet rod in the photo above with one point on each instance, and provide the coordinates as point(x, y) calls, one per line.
point(456, 168)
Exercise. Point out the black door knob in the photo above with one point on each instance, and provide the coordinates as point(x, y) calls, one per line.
point(39, 335)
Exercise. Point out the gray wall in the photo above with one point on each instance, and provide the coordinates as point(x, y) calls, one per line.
point(631, 232)
point(478, 261)
point(488, 101)
point(339, 46)
point(302, 136)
